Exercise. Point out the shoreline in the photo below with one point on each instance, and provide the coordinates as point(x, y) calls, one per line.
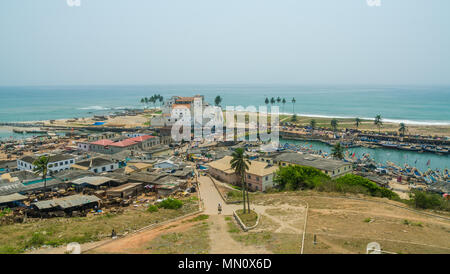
point(140, 120)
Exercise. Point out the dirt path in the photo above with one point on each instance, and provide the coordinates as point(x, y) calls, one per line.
point(223, 243)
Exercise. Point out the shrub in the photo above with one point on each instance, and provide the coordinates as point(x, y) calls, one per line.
point(372, 188)
point(152, 208)
point(170, 203)
point(426, 200)
point(299, 177)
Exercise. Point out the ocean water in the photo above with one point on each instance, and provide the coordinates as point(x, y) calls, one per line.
point(409, 104)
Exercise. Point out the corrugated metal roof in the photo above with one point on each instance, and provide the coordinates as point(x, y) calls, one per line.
point(12, 198)
point(94, 180)
point(67, 202)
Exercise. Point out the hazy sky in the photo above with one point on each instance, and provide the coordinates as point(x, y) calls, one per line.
point(46, 42)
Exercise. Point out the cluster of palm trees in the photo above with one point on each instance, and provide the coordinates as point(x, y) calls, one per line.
point(157, 98)
point(279, 100)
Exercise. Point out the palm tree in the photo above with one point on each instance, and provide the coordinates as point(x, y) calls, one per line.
point(402, 129)
point(266, 101)
point(293, 103)
point(278, 99)
point(338, 151)
point(146, 101)
point(41, 167)
point(142, 100)
point(334, 124)
point(283, 102)
point(378, 122)
point(161, 100)
point(294, 118)
point(357, 122)
point(240, 164)
point(272, 100)
point(312, 123)
point(218, 100)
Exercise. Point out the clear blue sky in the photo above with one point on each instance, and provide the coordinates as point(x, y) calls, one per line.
point(46, 42)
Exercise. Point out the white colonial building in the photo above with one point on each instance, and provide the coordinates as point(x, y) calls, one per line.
point(56, 163)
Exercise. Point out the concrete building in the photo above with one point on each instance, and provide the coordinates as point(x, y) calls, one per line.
point(56, 162)
point(96, 165)
point(331, 167)
point(106, 146)
point(259, 176)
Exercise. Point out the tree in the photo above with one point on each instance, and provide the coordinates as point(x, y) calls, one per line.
point(402, 129)
point(218, 100)
point(161, 100)
point(283, 102)
point(312, 123)
point(334, 124)
point(357, 122)
point(142, 101)
point(240, 163)
point(378, 122)
point(294, 118)
point(293, 103)
point(266, 101)
point(146, 101)
point(338, 151)
point(278, 99)
point(41, 167)
point(272, 100)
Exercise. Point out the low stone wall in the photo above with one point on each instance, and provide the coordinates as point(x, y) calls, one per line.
point(220, 193)
point(243, 226)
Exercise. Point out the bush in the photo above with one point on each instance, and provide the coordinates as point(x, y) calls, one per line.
point(426, 200)
point(299, 177)
point(361, 183)
point(152, 208)
point(170, 203)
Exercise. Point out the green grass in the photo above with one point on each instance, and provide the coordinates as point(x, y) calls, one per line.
point(193, 241)
point(249, 219)
point(18, 237)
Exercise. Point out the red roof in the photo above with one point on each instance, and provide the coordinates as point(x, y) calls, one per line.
point(103, 142)
point(123, 143)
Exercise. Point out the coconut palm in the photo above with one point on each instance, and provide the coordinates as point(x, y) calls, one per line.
point(142, 101)
point(402, 129)
point(312, 123)
point(41, 168)
point(283, 102)
point(146, 101)
point(334, 124)
point(338, 151)
point(218, 100)
point(293, 103)
point(294, 118)
point(161, 100)
point(357, 122)
point(240, 163)
point(378, 122)
point(266, 101)
point(272, 100)
point(278, 99)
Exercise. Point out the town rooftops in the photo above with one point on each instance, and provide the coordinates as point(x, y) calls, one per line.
point(124, 187)
point(93, 180)
point(52, 158)
point(12, 198)
point(123, 143)
point(66, 202)
point(310, 160)
point(94, 162)
point(255, 167)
